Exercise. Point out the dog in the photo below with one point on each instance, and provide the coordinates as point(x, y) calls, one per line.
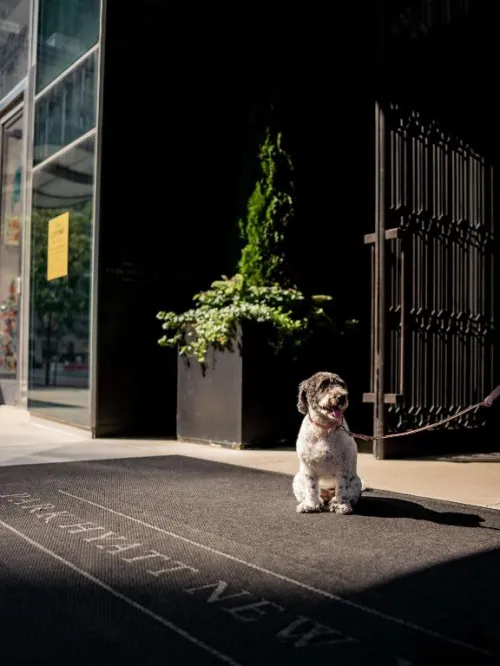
point(327, 453)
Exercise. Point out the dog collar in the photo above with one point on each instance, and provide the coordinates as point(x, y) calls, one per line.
point(329, 428)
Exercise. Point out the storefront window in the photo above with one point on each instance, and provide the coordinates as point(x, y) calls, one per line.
point(14, 22)
point(10, 241)
point(66, 30)
point(66, 111)
point(61, 245)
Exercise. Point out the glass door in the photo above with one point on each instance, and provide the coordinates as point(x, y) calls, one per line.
point(11, 137)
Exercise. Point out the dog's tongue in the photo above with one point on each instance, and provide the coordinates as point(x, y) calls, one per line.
point(336, 413)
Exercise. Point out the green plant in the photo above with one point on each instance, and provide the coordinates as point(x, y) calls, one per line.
point(261, 291)
point(230, 301)
point(270, 211)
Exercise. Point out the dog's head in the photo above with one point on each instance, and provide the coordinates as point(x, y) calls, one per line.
point(323, 395)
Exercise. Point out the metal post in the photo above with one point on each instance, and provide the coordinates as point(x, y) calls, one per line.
point(94, 294)
point(28, 130)
point(379, 277)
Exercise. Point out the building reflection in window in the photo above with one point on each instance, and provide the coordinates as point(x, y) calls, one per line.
point(10, 246)
point(66, 30)
point(14, 20)
point(60, 308)
point(66, 111)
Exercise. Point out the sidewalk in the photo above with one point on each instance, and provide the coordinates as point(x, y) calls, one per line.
point(466, 479)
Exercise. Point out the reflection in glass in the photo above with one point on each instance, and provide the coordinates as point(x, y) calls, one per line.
point(66, 30)
point(10, 241)
point(14, 21)
point(60, 308)
point(66, 111)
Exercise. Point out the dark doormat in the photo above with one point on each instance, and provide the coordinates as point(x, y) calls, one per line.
point(174, 560)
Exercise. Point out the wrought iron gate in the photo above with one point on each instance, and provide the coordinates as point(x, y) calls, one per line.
point(433, 269)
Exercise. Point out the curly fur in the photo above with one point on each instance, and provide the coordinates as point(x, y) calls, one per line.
point(327, 453)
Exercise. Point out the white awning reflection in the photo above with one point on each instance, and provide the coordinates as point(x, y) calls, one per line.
point(67, 180)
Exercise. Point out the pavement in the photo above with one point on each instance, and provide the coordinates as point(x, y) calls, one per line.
point(132, 551)
point(171, 559)
point(472, 479)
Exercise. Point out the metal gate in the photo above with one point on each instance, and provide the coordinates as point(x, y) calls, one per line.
point(433, 274)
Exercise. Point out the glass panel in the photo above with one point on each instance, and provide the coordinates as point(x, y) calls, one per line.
point(60, 307)
point(14, 21)
point(66, 30)
point(10, 241)
point(66, 111)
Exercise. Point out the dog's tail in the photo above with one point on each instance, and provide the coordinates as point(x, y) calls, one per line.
point(328, 493)
point(364, 486)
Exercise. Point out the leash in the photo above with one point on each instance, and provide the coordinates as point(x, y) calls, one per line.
point(487, 402)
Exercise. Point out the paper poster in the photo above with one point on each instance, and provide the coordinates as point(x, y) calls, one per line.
point(58, 247)
point(12, 231)
point(12, 221)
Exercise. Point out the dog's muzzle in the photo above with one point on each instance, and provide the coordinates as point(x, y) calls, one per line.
point(336, 413)
point(337, 406)
point(342, 401)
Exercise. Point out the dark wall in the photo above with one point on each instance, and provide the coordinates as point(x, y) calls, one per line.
point(328, 73)
point(178, 84)
point(171, 136)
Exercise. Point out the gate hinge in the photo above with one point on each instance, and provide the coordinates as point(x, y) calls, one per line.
point(390, 234)
point(389, 398)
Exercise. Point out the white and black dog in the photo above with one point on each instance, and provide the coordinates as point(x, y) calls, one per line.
point(327, 452)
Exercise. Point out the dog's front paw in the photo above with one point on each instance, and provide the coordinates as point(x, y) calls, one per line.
point(306, 507)
point(342, 509)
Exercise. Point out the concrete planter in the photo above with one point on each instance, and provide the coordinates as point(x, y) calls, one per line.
point(241, 398)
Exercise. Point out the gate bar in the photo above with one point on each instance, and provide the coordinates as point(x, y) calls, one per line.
point(379, 279)
point(379, 267)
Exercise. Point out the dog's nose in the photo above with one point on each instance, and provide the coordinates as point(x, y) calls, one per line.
point(341, 400)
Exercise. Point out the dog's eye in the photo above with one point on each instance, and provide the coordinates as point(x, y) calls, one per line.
point(324, 384)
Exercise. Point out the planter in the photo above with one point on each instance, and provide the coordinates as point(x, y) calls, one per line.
point(241, 398)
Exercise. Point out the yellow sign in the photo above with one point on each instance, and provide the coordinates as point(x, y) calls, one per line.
point(58, 247)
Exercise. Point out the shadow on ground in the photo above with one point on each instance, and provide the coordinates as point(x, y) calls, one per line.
point(54, 617)
point(393, 507)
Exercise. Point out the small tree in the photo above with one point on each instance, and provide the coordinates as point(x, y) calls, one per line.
point(261, 291)
point(270, 212)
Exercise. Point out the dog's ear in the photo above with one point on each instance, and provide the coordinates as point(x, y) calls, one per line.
point(302, 405)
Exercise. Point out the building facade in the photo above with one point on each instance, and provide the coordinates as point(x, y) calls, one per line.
point(120, 136)
point(14, 52)
point(49, 68)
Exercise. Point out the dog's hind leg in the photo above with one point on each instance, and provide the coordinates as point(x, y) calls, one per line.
point(347, 494)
